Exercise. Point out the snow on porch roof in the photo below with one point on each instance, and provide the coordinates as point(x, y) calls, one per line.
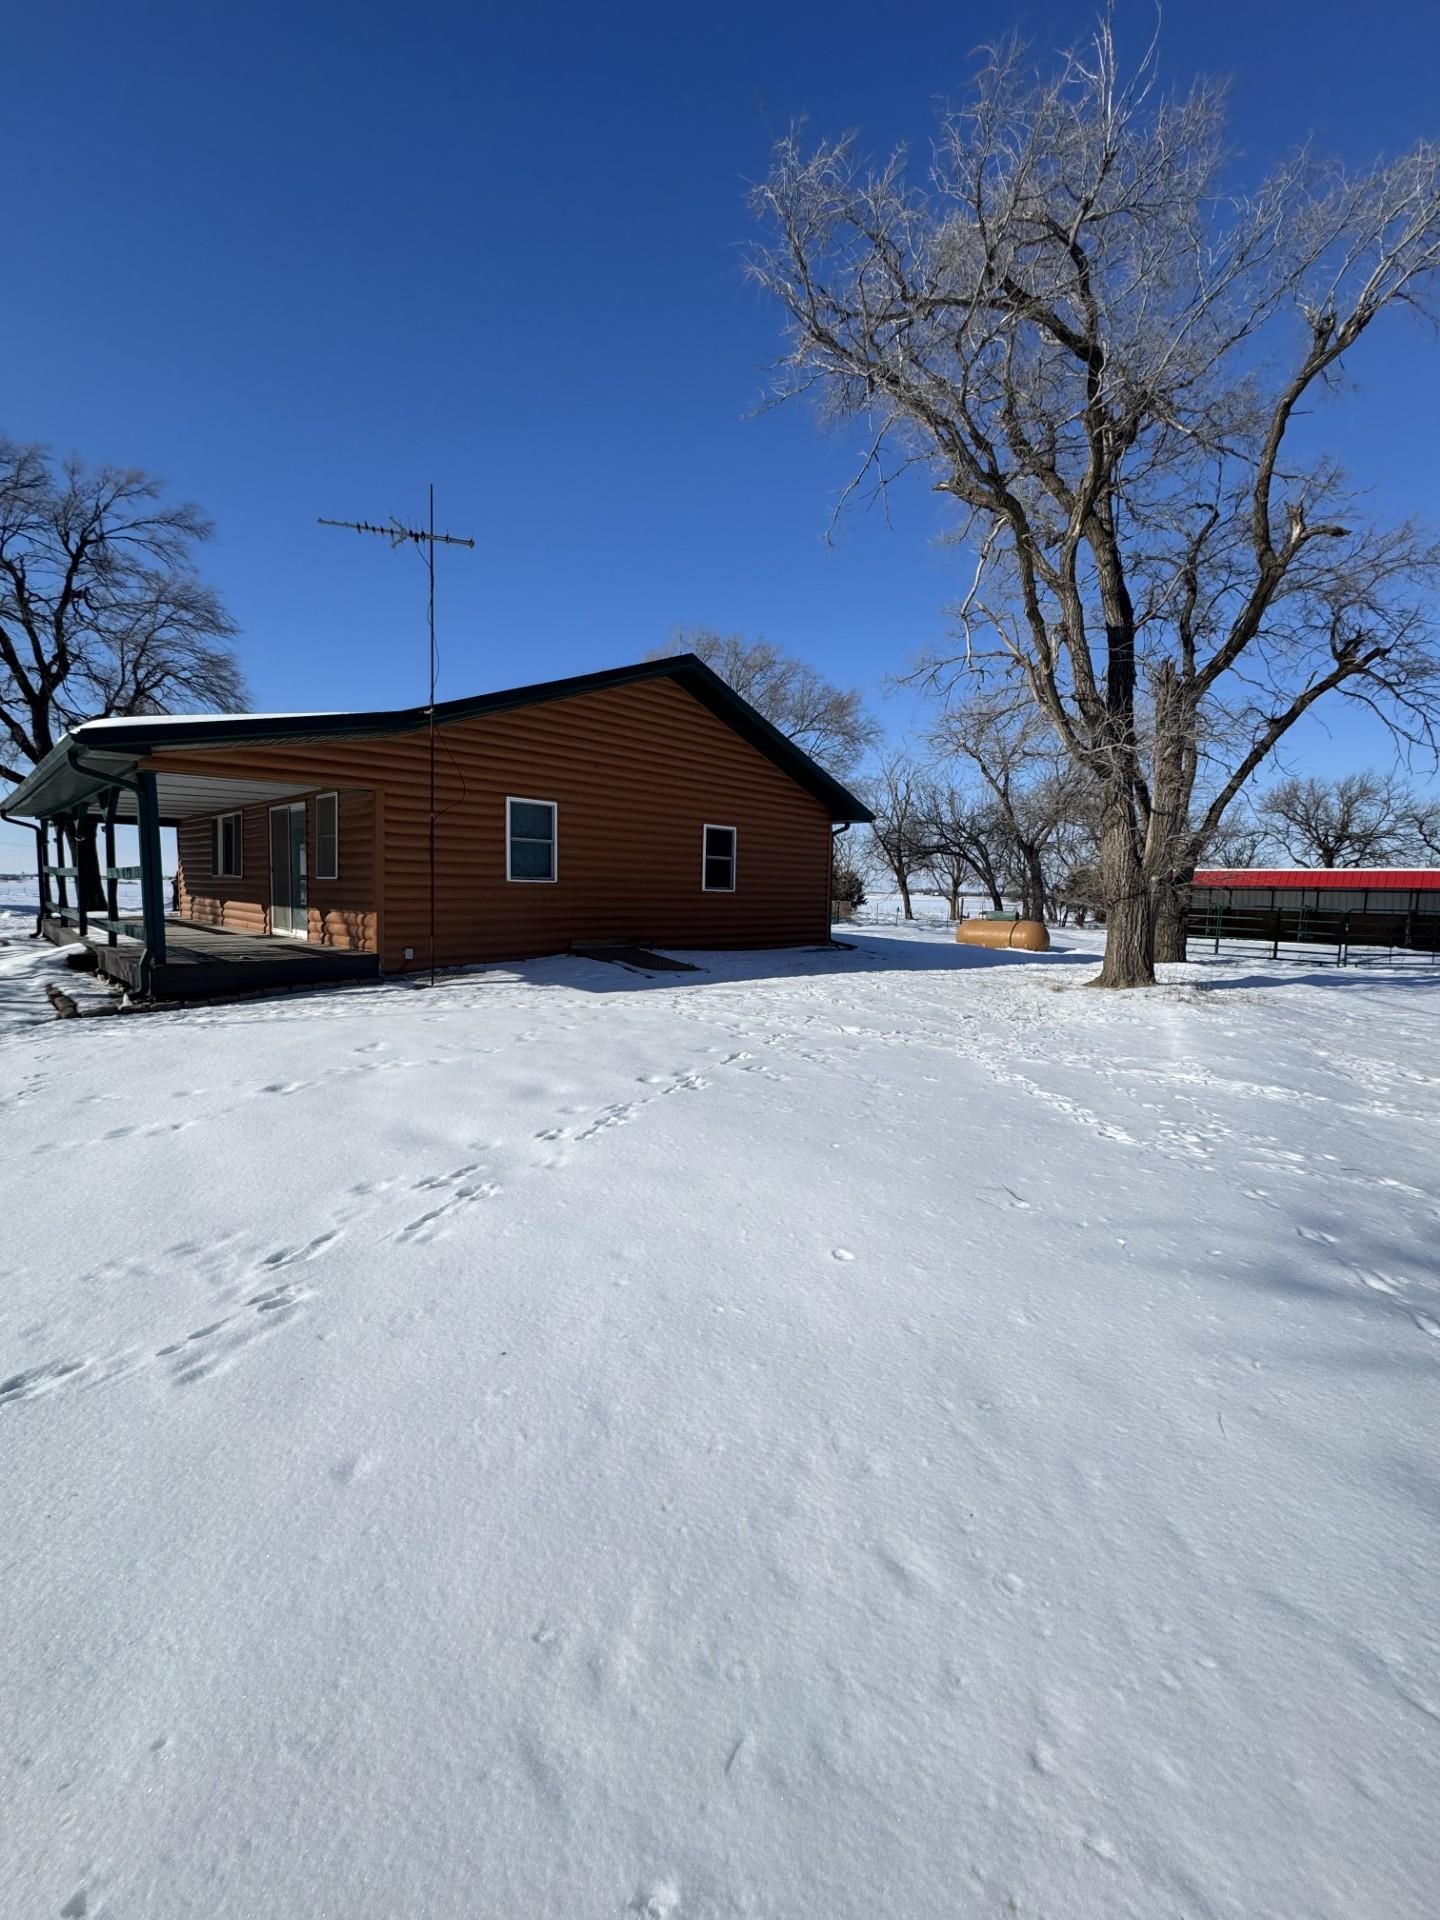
point(64, 780)
point(127, 722)
point(1295, 879)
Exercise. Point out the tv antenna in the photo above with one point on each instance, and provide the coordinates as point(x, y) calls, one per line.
point(424, 540)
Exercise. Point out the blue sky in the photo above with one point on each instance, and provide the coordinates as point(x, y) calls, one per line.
point(303, 259)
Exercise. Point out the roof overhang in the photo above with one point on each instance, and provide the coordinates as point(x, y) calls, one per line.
point(93, 755)
point(74, 781)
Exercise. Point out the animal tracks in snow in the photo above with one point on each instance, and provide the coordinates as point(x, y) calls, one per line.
point(459, 1189)
point(243, 1311)
point(622, 1112)
point(37, 1380)
point(205, 1349)
point(154, 1130)
point(211, 1348)
point(312, 1249)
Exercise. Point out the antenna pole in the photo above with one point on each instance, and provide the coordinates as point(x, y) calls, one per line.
point(430, 556)
point(427, 540)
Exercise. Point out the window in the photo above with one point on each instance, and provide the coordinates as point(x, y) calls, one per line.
point(718, 865)
point(225, 857)
point(530, 834)
point(327, 836)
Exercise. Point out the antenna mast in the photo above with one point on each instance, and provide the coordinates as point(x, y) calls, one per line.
point(425, 540)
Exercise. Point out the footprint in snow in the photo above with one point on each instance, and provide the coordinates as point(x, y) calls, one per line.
point(36, 1380)
point(287, 1256)
point(1006, 1198)
point(658, 1902)
point(213, 1349)
point(353, 1467)
point(1381, 1283)
point(841, 1253)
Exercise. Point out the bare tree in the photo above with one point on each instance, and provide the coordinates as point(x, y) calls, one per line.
point(827, 722)
point(896, 798)
point(963, 838)
point(1034, 789)
point(1420, 821)
point(1099, 353)
point(101, 611)
point(1238, 840)
point(1355, 821)
point(847, 879)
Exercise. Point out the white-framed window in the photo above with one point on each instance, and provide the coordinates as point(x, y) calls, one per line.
point(227, 852)
point(327, 836)
point(531, 838)
point(717, 860)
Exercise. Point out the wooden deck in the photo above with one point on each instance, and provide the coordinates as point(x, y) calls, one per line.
point(201, 962)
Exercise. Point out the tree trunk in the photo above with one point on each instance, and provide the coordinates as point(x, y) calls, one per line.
point(1171, 849)
point(903, 880)
point(1032, 888)
point(1129, 933)
point(89, 887)
point(1171, 910)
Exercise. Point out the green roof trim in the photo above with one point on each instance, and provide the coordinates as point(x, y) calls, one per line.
point(53, 786)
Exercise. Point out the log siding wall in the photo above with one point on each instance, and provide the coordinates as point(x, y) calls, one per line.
point(635, 772)
point(341, 911)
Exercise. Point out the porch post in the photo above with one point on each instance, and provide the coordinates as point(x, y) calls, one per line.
point(81, 915)
point(42, 860)
point(112, 885)
point(152, 881)
point(62, 892)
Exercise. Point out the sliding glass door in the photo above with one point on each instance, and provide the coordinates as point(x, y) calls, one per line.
point(288, 910)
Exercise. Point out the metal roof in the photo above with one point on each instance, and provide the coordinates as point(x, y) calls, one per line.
point(1297, 879)
point(92, 755)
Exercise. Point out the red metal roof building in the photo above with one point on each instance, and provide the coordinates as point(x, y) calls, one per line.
point(1339, 907)
point(1289, 879)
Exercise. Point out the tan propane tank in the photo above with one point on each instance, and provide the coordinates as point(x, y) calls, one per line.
point(1028, 936)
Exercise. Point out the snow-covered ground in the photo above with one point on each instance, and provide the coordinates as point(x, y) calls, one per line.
point(837, 1434)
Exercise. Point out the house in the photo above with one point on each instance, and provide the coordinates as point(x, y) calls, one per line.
point(649, 804)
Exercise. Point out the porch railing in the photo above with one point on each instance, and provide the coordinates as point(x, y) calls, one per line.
point(148, 926)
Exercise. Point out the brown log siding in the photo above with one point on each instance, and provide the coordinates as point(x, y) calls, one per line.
point(635, 771)
point(341, 911)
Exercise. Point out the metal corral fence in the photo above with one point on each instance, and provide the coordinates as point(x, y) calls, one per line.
point(1356, 926)
point(926, 911)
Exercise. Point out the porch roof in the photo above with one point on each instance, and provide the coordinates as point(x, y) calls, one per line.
point(95, 754)
point(75, 778)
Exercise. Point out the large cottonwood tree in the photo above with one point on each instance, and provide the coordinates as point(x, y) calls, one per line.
point(101, 610)
point(1101, 353)
point(829, 723)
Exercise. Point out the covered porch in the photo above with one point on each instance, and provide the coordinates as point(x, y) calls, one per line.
point(201, 962)
point(78, 800)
